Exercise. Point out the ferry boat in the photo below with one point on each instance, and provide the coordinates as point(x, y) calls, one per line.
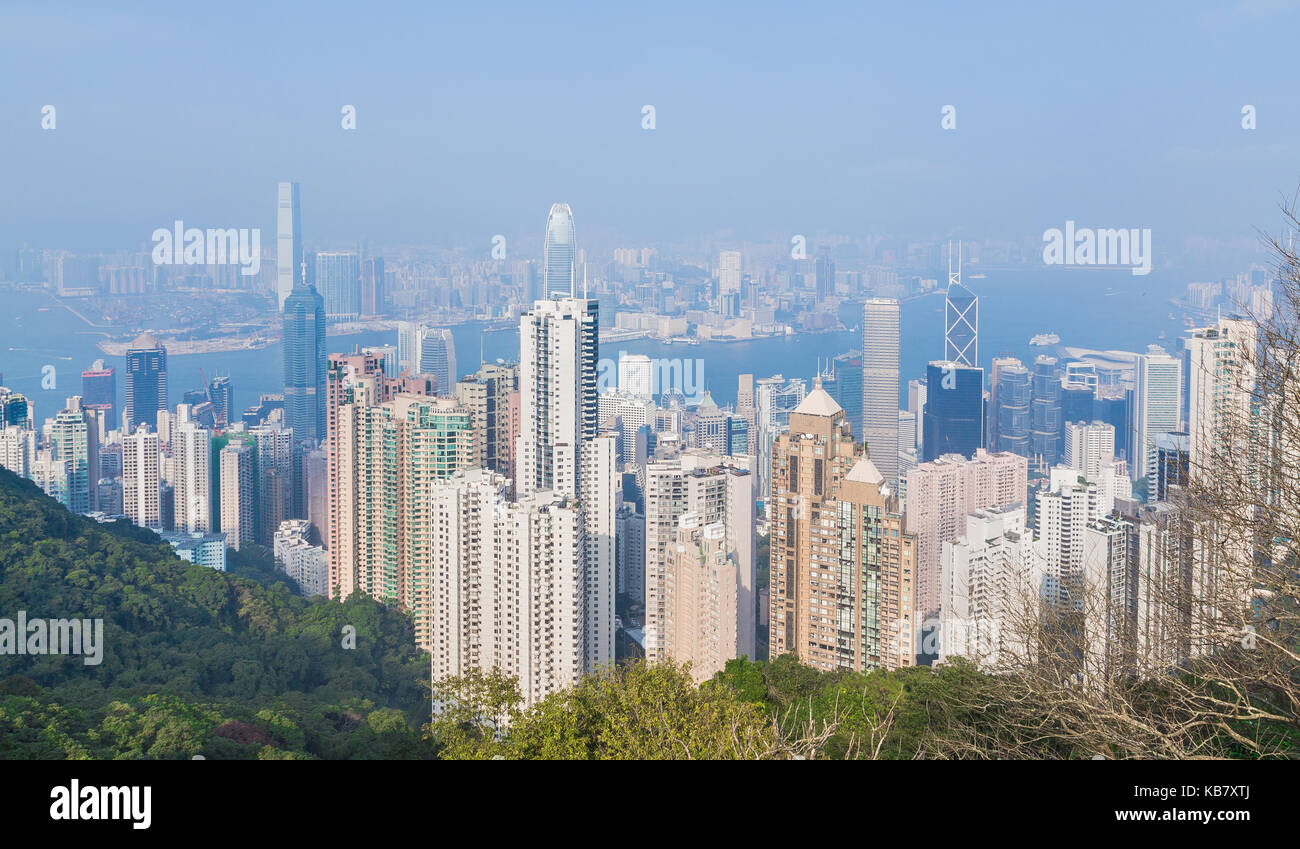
point(1044, 339)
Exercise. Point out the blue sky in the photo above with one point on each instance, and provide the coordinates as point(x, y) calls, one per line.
point(771, 119)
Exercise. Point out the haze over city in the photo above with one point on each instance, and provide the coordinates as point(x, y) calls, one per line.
point(821, 119)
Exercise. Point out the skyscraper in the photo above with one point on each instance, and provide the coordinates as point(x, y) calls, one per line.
point(141, 481)
point(774, 399)
point(1013, 398)
point(486, 394)
point(1045, 412)
point(559, 447)
point(338, 276)
point(557, 382)
point(289, 258)
point(1221, 387)
point(74, 439)
point(99, 392)
point(146, 381)
point(238, 493)
point(506, 582)
point(961, 318)
point(373, 294)
point(848, 389)
point(560, 274)
point(305, 362)
point(1156, 402)
point(841, 563)
point(1172, 464)
point(729, 273)
point(223, 400)
point(684, 620)
point(438, 357)
point(986, 575)
point(388, 456)
point(940, 494)
point(953, 422)
point(192, 456)
point(1088, 447)
point(880, 341)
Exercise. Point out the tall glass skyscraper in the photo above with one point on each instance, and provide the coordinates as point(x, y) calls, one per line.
point(288, 223)
point(305, 363)
point(438, 357)
point(560, 275)
point(954, 410)
point(1013, 399)
point(1045, 412)
point(146, 381)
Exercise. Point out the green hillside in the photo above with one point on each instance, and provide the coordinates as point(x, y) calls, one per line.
point(195, 662)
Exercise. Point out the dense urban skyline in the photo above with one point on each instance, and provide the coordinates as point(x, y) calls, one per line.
point(802, 384)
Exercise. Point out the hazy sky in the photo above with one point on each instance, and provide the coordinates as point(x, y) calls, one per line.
point(771, 119)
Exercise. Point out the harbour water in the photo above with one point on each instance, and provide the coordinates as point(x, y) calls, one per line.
point(1102, 309)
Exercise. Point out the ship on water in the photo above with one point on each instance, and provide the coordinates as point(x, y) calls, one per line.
point(1044, 339)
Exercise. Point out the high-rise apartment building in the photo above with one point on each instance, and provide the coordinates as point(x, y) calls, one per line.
point(192, 456)
point(141, 479)
point(716, 491)
point(238, 493)
point(388, 457)
point(1221, 387)
point(941, 493)
point(507, 584)
point(841, 563)
point(1089, 447)
point(273, 447)
point(633, 412)
point(990, 586)
point(486, 394)
point(560, 448)
point(74, 438)
point(745, 406)
point(17, 449)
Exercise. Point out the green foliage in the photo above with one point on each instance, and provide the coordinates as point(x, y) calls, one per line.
point(194, 661)
point(636, 711)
